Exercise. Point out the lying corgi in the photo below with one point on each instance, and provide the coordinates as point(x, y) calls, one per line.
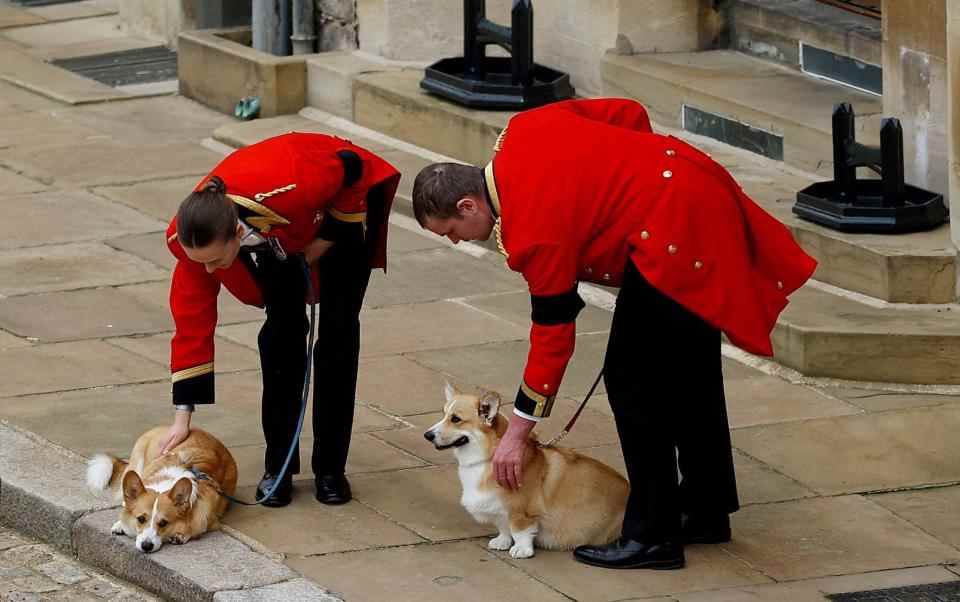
point(163, 500)
point(566, 500)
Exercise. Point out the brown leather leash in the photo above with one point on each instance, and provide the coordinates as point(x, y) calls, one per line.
point(566, 430)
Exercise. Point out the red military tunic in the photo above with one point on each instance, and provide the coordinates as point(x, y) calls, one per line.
point(583, 186)
point(283, 187)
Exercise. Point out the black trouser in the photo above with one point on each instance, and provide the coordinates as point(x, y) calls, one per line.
point(664, 380)
point(343, 274)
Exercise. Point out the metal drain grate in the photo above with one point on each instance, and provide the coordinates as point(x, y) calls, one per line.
point(138, 66)
point(42, 2)
point(935, 592)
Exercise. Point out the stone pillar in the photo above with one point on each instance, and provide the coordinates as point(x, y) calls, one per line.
point(953, 116)
point(915, 86)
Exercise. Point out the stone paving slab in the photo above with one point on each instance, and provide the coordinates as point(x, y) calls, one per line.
point(450, 571)
point(192, 572)
point(452, 274)
point(886, 450)
point(30, 73)
point(159, 199)
point(819, 537)
point(933, 510)
point(515, 307)
point(400, 386)
point(14, 99)
point(401, 240)
point(410, 439)
point(499, 367)
point(228, 356)
point(151, 246)
point(68, 366)
point(74, 10)
point(708, 567)
point(72, 315)
point(97, 163)
point(160, 119)
point(229, 310)
point(41, 218)
point(71, 266)
point(344, 528)
point(46, 128)
point(12, 16)
point(815, 590)
point(9, 341)
point(300, 590)
point(424, 500)
point(42, 492)
point(14, 183)
point(68, 32)
point(879, 401)
point(767, 399)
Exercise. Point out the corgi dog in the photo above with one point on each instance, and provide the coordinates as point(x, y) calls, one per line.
point(566, 499)
point(164, 500)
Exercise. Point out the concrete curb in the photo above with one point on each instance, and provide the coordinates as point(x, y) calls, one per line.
point(43, 494)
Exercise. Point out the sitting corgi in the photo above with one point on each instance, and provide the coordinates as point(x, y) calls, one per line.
point(566, 500)
point(163, 499)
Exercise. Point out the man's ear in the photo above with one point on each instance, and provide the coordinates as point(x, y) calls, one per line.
point(489, 407)
point(239, 231)
point(466, 206)
point(132, 486)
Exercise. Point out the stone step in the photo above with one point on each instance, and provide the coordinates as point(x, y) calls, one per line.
point(915, 268)
point(745, 101)
point(823, 334)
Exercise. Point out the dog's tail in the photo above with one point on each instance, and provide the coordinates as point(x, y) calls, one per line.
point(103, 472)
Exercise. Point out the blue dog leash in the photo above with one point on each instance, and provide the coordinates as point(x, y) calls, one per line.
point(202, 476)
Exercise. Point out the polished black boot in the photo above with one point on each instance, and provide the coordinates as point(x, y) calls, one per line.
point(281, 496)
point(705, 528)
point(333, 489)
point(631, 554)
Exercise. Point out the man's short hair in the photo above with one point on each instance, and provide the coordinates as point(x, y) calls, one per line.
point(438, 188)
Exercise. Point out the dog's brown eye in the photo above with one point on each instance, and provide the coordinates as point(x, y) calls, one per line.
point(142, 519)
point(454, 419)
point(162, 523)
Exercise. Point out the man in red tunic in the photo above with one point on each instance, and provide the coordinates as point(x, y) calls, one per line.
point(583, 190)
point(251, 225)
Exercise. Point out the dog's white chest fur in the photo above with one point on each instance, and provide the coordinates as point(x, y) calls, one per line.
point(483, 504)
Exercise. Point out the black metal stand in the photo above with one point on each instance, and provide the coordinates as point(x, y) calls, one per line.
point(515, 82)
point(884, 206)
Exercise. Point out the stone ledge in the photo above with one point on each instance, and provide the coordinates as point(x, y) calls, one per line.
point(300, 590)
point(194, 572)
point(42, 488)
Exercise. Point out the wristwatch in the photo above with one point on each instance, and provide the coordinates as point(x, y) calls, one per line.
point(186, 407)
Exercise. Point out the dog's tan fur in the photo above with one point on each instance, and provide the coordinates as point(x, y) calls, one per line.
point(566, 499)
point(163, 502)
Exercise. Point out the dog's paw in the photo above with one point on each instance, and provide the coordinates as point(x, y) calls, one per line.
point(179, 539)
point(520, 551)
point(500, 542)
point(117, 528)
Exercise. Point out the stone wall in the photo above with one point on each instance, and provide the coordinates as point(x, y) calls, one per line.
point(336, 24)
point(570, 35)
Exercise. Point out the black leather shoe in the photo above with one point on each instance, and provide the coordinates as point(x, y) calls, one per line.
point(630, 554)
point(283, 493)
point(700, 528)
point(333, 489)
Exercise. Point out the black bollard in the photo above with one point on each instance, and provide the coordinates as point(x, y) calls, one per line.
point(515, 82)
point(884, 206)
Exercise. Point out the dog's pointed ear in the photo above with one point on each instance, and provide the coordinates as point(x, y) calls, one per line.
point(132, 486)
point(489, 406)
point(182, 492)
point(449, 392)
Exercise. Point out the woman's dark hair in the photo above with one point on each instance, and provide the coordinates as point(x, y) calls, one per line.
point(207, 216)
point(439, 187)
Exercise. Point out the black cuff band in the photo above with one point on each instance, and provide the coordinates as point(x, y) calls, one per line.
point(352, 167)
point(197, 390)
point(556, 309)
point(532, 403)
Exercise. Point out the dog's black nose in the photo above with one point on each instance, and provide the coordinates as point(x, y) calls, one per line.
point(429, 436)
point(146, 546)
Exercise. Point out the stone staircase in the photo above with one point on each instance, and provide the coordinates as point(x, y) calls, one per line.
point(882, 308)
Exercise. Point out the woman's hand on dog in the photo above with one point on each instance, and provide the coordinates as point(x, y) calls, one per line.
point(511, 454)
point(178, 432)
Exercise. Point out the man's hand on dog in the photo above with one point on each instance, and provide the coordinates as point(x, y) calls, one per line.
point(511, 454)
point(178, 432)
